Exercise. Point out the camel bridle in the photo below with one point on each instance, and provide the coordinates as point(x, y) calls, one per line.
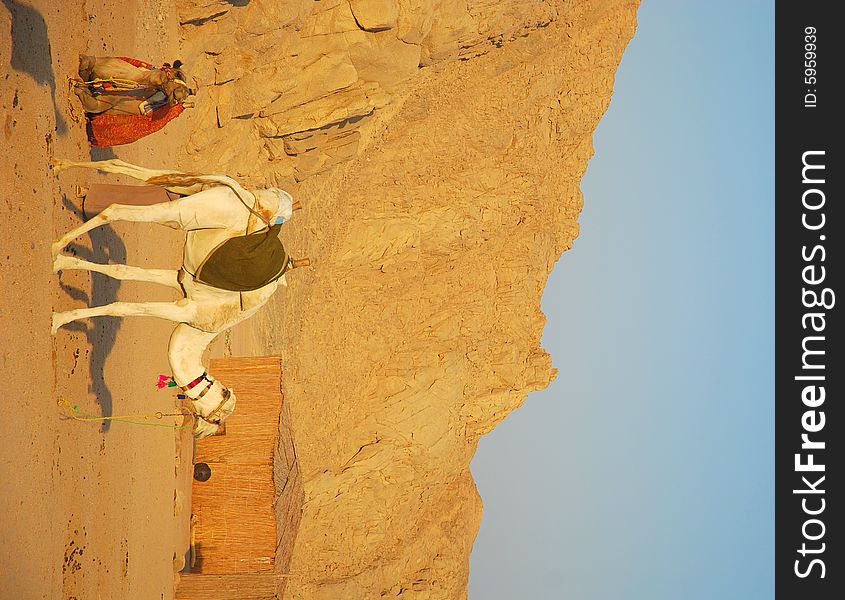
point(209, 418)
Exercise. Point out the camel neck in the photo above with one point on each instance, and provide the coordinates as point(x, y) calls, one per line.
point(266, 205)
point(185, 352)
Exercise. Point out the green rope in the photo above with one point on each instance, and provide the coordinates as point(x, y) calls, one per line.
point(73, 413)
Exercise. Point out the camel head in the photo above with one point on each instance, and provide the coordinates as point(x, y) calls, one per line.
point(282, 200)
point(174, 86)
point(176, 91)
point(212, 409)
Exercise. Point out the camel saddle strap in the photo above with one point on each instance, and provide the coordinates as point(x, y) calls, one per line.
point(246, 262)
point(136, 63)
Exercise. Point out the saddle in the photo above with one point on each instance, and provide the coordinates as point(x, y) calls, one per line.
point(246, 262)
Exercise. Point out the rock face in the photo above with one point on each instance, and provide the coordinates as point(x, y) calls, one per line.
point(438, 147)
point(270, 71)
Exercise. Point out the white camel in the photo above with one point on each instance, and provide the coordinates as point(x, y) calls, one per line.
point(216, 209)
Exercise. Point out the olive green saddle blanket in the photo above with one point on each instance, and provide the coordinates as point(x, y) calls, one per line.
point(245, 263)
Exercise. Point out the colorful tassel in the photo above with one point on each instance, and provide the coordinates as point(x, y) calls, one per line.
point(165, 381)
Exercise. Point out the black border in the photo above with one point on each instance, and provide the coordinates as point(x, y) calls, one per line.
point(798, 129)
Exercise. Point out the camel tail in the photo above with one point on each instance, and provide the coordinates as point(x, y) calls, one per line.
point(178, 179)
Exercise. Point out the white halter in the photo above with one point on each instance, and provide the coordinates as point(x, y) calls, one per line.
point(285, 211)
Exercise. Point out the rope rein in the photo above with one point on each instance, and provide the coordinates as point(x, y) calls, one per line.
point(164, 381)
point(125, 84)
point(72, 412)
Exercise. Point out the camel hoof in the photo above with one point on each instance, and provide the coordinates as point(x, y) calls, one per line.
point(57, 322)
point(61, 262)
point(56, 249)
point(60, 164)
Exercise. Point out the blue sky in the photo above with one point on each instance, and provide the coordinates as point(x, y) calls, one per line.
point(645, 471)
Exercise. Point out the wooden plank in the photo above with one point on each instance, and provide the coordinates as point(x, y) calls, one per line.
point(254, 586)
point(236, 523)
point(252, 429)
point(184, 489)
point(291, 495)
point(236, 518)
point(243, 443)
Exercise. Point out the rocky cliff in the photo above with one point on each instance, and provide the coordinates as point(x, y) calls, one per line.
point(438, 147)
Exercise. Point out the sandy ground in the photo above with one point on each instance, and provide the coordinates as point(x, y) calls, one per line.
point(88, 508)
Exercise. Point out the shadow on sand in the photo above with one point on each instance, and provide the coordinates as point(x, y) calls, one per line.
point(31, 51)
point(101, 154)
point(100, 332)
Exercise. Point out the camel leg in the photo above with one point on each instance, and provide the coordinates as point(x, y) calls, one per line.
point(108, 103)
point(114, 165)
point(180, 311)
point(90, 104)
point(93, 223)
point(166, 277)
point(165, 213)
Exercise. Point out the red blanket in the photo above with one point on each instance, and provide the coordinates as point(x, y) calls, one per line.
point(114, 130)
